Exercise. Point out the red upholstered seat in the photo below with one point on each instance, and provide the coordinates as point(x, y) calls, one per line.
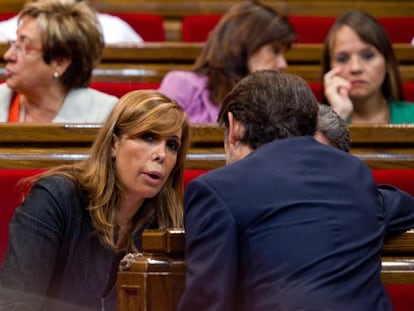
point(191, 174)
point(401, 178)
point(149, 26)
point(195, 28)
point(120, 88)
point(7, 15)
point(10, 198)
point(311, 29)
point(400, 29)
point(408, 89)
point(317, 90)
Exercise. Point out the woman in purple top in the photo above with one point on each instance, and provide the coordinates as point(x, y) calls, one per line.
point(249, 37)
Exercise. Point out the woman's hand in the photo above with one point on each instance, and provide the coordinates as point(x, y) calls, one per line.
point(337, 93)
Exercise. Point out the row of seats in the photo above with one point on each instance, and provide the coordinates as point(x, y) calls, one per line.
point(120, 88)
point(195, 28)
point(310, 29)
point(11, 197)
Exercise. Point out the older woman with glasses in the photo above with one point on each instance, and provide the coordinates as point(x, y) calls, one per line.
point(50, 64)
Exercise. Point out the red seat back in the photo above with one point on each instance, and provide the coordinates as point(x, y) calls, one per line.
point(6, 15)
point(10, 198)
point(401, 178)
point(408, 89)
point(149, 26)
point(196, 28)
point(400, 29)
point(311, 29)
point(119, 88)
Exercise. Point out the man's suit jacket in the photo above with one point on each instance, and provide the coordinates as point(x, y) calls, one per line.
point(296, 225)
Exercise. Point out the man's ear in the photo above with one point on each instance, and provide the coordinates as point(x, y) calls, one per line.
point(236, 129)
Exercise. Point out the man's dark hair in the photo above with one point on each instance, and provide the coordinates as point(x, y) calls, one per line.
point(271, 105)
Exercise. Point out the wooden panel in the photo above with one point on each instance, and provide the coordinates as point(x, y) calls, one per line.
point(44, 145)
point(151, 61)
point(160, 273)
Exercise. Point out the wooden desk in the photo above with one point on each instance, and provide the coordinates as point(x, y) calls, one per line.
point(155, 279)
point(44, 145)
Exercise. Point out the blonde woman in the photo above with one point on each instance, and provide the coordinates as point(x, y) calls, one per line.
point(78, 221)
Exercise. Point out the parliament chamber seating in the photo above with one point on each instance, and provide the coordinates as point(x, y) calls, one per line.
point(27, 149)
point(309, 28)
point(195, 28)
point(6, 15)
point(400, 29)
point(149, 26)
point(120, 88)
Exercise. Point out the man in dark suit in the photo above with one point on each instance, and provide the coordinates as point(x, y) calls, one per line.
point(289, 223)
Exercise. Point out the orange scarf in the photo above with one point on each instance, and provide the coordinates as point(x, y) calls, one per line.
point(14, 110)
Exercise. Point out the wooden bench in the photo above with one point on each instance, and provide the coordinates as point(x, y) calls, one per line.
point(155, 278)
point(150, 61)
point(43, 145)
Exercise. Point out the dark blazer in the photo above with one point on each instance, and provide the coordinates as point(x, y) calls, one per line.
point(296, 225)
point(55, 260)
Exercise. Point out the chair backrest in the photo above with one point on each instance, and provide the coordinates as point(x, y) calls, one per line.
point(6, 15)
point(149, 26)
point(401, 178)
point(311, 29)
point(408, 89)
point(120, 88)
point(400, 29)
point(10, 198)
point(196, 28)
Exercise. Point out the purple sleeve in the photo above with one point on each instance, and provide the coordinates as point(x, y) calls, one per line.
point(174, 85)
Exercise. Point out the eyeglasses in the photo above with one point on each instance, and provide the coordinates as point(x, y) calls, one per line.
point(22, 47)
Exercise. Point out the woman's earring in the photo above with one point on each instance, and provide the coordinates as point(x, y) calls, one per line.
point(56, 75)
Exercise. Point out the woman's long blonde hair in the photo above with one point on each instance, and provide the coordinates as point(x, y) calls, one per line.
point(96, 178)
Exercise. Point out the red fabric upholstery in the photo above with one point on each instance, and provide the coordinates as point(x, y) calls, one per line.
point(191, 174)
point(408, 89)
point(400, 29)
point(195, 28)
point(317, 90)
point(10, 197)
point(401, 178)
point(402, 297)
point(311, 29)
point(7, 15)
point(149, 26)
point(120, 88)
